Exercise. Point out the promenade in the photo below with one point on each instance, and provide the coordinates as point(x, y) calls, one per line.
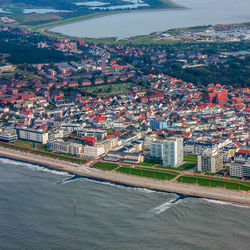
point(237, 197)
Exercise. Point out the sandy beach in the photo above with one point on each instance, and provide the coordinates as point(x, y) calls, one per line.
point(238, 197)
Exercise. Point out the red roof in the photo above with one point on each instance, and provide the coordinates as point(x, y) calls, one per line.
point(117, 133)
point(100, 118)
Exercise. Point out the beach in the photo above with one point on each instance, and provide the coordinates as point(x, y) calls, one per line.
point(237, 197)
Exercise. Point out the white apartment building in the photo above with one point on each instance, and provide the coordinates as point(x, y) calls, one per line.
point(240, 167)
point(66, 147)
point(170, 150)
point(93, 151)
point(210, 162)
point(32, 135)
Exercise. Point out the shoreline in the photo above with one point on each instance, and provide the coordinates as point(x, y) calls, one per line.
point(46, 28)
point(99, 15)
point(234, 197)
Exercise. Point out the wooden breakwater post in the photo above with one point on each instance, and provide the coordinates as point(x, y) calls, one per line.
point(74, 207)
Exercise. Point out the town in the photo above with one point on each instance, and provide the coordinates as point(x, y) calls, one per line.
point(119, 104)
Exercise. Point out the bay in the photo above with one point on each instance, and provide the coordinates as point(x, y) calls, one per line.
point(125, 25)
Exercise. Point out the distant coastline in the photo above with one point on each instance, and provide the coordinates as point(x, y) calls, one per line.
point(235, 197)
point(46, 27)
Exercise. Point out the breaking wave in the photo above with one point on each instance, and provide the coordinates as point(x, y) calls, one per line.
point(34, 167)
point(166, 205)
point(225, 203)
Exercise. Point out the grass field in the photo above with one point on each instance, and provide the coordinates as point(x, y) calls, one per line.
point(60, 157)
point(14, 147)
point(105, 166)
point(192, 158)
point(107, 89)
point(30, 145)
point(214, 182)
point(187, 166)
point(144, 172)
point(150, 162)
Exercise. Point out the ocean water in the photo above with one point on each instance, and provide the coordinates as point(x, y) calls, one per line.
point(37, 212)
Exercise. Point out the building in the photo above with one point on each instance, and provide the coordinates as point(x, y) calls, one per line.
point(158, 124)
point(32, 135)
point(156, 149)
point(210, 162)
point(88, 140)
point(240, 167)
point(65, 147)
point(129, 157)
point(218, 97)
point(97, 133)
point(170, 150)
point(8, 135)
point(93, 152)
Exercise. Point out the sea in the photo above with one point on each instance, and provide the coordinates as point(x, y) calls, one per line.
point(130, 24)
point(47, 209)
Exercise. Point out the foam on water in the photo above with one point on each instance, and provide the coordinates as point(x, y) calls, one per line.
point(68, 180)
point(225, 203)
point(166, 205)
point(34, 167)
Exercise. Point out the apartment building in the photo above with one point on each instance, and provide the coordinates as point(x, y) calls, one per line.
point(8, 135)
point(210, 162)
point(240, 167)
point(97, 133)
point(129, 157)
point(32, 135)
point(65, 147)
point(93, 152)
point(170, 150)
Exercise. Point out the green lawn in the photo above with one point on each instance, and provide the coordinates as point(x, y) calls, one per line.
point(157, 170)
point(105, 166)
point(149, 164)
point(214, 182)
point(156, 174)
point(29, 144)
point(60, 157)
point(187, 165)
point(43, 153)
point(160, 166)
point(14, 147)
point(192, 158)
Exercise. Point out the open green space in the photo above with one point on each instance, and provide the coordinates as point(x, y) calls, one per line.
point(161, 175)
point(192, 158)
point(150, 162)
point(105, 166)
point(187, 166)
point(215, 182)
point(60, 157)
point(107, 89)
point(30, 145)
point(157, 170)
point(14, 147)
